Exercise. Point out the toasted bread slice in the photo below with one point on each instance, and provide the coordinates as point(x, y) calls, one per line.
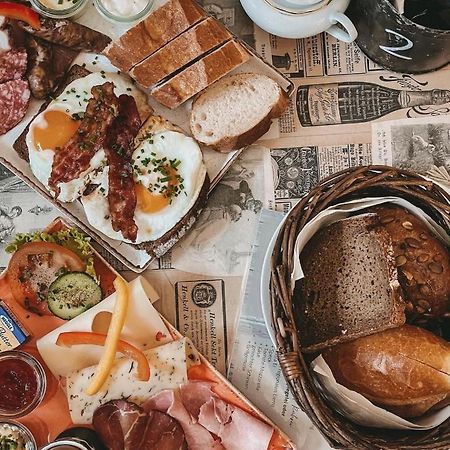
point(236, 111)
point(201, 74)
point(160, 27)
point(94, 202)
point(74, 73)
point(184, 49)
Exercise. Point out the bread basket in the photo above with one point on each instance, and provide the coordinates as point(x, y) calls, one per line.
point(367, 181)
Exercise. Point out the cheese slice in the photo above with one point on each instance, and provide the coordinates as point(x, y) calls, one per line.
point(168, 365)
point(143, 328)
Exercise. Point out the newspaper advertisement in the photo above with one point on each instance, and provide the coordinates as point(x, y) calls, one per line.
point(203, 308)
point(21, 211)
point(254, 368)
point(421, 145)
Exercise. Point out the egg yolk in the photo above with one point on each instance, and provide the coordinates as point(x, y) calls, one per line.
point(56, 132)
point(151, 202)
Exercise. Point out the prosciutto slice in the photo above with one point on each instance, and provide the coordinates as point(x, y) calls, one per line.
point(201, 413)
point(197, 437)
point(123, 425)
point(74, 158)
point(119, 149)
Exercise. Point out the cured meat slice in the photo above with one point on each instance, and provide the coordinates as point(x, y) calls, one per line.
point(197, 437)
point(235, 427)
point(13, 64)
point(119, 148)
point(123, 425)
point(74, 158)
point(69, 34)
point(120, 424)
point(14, 99)
point(163, 433)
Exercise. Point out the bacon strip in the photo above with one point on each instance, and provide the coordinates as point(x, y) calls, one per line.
point(119, 149)
point(75, 157)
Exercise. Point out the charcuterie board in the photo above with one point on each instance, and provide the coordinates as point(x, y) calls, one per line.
point(216, 163)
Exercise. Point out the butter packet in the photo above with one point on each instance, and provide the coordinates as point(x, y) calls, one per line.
point(12, 333)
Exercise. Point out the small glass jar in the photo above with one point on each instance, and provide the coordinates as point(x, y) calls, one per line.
point(14, 428)
point(59, 9)
point(22, 384)
point(107, 11)
point(76, 438)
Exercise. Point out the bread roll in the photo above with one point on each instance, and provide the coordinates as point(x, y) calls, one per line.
point(405, 370)
point(422, 260)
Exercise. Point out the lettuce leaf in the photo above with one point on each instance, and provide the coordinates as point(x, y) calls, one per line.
point(70, 238)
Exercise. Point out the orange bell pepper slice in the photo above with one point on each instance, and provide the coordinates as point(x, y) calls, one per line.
point(20, 12)
point(70, 338)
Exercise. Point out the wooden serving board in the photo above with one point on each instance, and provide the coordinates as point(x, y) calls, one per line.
point(216, 163)
point(52, 416)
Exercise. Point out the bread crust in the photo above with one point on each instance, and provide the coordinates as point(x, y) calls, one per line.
point(201, 74)
point(184, 49)
point(231, 143)
point(160, 27)
point(423, 262)
point(415, 372)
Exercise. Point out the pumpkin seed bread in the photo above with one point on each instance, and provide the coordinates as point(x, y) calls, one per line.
point(422, 260)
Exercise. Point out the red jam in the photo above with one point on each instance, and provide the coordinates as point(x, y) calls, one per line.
point(18, 385)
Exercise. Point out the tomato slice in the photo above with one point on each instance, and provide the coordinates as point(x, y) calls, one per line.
point(34, 267)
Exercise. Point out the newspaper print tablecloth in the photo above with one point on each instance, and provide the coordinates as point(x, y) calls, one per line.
point(202, 281)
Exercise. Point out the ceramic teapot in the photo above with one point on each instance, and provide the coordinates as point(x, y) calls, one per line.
point(302, 18)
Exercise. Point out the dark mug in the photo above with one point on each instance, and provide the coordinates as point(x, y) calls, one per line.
point(395, 42)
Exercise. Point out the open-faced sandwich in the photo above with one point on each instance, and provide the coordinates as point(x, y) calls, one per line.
point(140, 179)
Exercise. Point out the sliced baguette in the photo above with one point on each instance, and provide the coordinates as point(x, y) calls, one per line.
point(159, 28)
point(236, 111)
point(188, 46)
point(350, 288)
point(200, 75)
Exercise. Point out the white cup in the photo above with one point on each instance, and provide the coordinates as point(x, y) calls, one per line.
point(302, 18)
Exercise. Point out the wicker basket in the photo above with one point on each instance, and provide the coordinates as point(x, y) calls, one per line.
point(371, 181)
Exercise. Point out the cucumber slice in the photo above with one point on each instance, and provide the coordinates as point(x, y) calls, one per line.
point(73, 293)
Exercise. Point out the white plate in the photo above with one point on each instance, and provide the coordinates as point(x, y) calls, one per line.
point(216, 163)
point(265, 284)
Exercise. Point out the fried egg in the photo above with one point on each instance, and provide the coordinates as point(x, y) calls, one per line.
point(168, 174)
point(54, 127)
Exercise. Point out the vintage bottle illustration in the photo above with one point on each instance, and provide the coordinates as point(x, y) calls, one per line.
point(354, 102)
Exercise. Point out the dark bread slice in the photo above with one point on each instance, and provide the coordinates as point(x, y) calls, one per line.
point(350, 287)
point(74, 73)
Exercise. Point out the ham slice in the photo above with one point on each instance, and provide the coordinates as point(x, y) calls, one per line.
point(197, 437)
point(202, 414)
point(235, 427)
point(123, 425)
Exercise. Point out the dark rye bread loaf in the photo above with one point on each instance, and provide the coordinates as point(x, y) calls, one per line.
point(350, 288)
point(74, 73)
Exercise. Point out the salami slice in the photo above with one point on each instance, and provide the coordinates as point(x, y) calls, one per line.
point(13, 64)
point(14, 99)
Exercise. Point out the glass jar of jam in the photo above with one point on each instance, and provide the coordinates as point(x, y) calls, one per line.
point(22, 384)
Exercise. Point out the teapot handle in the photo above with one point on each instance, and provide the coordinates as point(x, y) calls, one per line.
point(348, 33)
